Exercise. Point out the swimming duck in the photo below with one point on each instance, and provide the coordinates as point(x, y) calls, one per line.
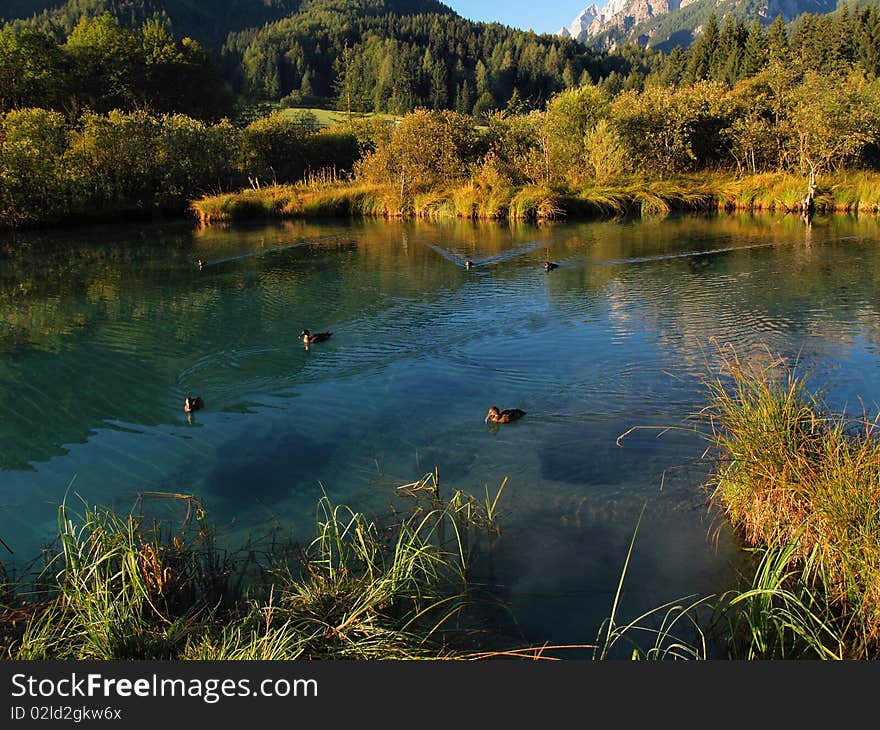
point(549, 266)
point(200, 263)
point(191, 404)
point(468, 263)
point(311, 339)
point(505, 416)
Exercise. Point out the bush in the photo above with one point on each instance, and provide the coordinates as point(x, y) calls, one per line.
point(33, 183)
point(426, 149)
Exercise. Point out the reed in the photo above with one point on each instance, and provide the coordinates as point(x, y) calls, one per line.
point(855, 192)
point(802, 485)
point(359, 200)
point(325, 194)
point(126, 587)
point(433, 205)
point(787, 611)
point(535, 203)
point(466, 201)
point(276, 201)
point(495, 202)
point(669, 631)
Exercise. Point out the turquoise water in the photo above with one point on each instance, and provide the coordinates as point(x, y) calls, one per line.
point(104, 331)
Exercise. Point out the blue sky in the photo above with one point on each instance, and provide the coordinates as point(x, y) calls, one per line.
point(542, 16)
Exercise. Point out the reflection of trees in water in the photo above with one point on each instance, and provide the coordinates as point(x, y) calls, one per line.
point(110, 323)
point(787, 294)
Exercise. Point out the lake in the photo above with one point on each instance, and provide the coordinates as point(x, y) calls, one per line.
point(104, 330)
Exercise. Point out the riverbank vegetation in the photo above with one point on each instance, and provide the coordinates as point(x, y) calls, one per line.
point(741, 120)
point(798, 484)
point(706, 146)
point(801, 485)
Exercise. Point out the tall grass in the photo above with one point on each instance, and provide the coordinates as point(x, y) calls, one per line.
point(787, 611)
point(326, 195)
point(299, 201)
point(124, 587)
point(802, 485)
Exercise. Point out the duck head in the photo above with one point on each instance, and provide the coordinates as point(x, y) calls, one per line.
point(492, 414)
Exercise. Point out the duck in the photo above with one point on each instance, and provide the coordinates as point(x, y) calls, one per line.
point(193, 403)
point(504, 416)
point(549, 266)
point(201, 264)
point(468, 263)
point(310, 339)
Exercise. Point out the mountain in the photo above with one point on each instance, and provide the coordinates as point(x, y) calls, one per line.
point(592, 17)
point(663, 24)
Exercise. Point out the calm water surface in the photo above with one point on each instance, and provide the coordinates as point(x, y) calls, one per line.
point(103, 331)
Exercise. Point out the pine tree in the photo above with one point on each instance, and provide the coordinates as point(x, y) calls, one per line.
point(703, 52)
point(305, 87)
point(727, 59)
point(515, 105)
point(867, 40)
point(484, 82)
point(439, 89)
point(464, 98)
point(755, 52)
point(778, 47)
point(845, 32)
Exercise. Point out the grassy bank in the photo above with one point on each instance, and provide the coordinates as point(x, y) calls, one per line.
point(128, 587)
point(801, 485)
point(377, 201)
point(851, 192)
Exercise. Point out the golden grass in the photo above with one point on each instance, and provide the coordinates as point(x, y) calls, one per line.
point(792, 473)
point(846, 192)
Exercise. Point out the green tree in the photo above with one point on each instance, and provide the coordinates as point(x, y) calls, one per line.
point(31, 69)
point(667, 131)
point(702, 54)
point(867, 39)
point(570, 115)
point(728, 56)
point(484, 106)
point(755, 51)
point(33, 183)
point(835, 119)
point(272, 149)
point(757, 131)
point(778, 47)
point(439, 86)
point(604, 152)
point(427, 150)
point(107, 66)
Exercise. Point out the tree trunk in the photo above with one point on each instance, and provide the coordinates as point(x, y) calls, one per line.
point(807, 204)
